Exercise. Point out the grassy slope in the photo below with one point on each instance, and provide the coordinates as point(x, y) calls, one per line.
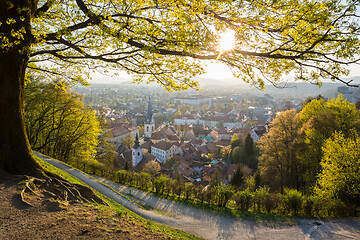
point(167, 232)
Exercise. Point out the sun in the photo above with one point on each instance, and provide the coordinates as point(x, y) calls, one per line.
point(227, 41)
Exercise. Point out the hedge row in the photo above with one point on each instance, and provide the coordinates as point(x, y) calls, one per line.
point(292, 202)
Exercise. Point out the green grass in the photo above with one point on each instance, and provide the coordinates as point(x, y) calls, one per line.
point(57, 171)
point(121, 211)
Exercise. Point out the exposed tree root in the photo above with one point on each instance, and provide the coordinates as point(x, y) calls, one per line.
point(55, 188)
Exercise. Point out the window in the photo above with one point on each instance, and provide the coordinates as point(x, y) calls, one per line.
point(147, 128)
point(138, 153)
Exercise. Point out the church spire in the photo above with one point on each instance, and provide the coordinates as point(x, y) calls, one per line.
point(136, 145)
point(149, 125)
point(149, 113)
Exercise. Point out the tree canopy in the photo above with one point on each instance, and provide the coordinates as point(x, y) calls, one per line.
point(161, 41)
point(340, 177)
point(299, 149)
point(58, 124)
point(279, 163)
point(318, 120)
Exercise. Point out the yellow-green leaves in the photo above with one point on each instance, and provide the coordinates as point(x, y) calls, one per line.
point(152, 40)
point(340, 178)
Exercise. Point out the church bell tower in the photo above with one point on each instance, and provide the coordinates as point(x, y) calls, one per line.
point(136, 152)
point(149, 126)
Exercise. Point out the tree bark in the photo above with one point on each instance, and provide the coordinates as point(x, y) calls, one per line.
point(15, 152)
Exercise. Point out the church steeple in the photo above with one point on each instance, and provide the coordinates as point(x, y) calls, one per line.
point(149, 117)
point(136, 152)
point(136, 145)
point(149, 125)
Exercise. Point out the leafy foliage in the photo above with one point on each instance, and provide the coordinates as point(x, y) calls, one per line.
point(318, 121)
point(340, 176)
point(162, 41)
point(58, 124)
point(152, 167)
point(128, 141)
point(237, 179)
point(244, 151)
point(279, 163)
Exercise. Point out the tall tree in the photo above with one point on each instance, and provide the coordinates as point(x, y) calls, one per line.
point(237, 155)
point(339, 178)
point(57, 122)
point(250, 152)
point(237, 179)
point(320, 119)
point(236, 141)
point(160, 41)
point(279, 162)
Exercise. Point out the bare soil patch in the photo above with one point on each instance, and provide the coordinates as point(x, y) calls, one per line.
point(38, 215)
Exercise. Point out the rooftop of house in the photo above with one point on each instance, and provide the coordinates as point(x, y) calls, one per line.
point(146, 145)
point(165, 133)
point(196, 142)
point(118, 129)
point(221, 130)
point(188, 148)
point(260, 130)
point(165, 145)
point(231, 169)
point(200, 130)
point(185, 169)
point(186, 116)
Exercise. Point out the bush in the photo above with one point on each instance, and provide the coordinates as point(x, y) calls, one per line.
point(293, 199)
point(309, 205)
point(160, 183)
point(200, 193)
point(243, 199)
point(260, 196)
point(178, 187)
point(144, 181)
point(121, 176)
point(169, 186)
point(222, 195)
point(188, 190)
point(272, 201)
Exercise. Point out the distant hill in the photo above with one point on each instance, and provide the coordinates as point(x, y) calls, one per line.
point(285, 89)
point(290, 88)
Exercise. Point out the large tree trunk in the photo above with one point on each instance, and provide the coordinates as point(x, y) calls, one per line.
point(15, 153)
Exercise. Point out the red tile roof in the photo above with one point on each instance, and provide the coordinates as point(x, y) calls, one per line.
point(165, 145)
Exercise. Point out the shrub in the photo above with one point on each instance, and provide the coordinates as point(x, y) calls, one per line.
point(159, 184)
point(222, 195)
point(243, 199)
point(293, 199)
point(272, 201)
point(309, 205)
point(200, 193)
point(188, 190)
point(121, 176)
point(260, 196)
point(168, 186)
point(144, 181)
point(178, 187)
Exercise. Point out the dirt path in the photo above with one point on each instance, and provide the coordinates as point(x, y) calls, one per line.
point(213, 226)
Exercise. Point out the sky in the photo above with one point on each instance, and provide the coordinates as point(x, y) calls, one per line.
point(216, 71)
